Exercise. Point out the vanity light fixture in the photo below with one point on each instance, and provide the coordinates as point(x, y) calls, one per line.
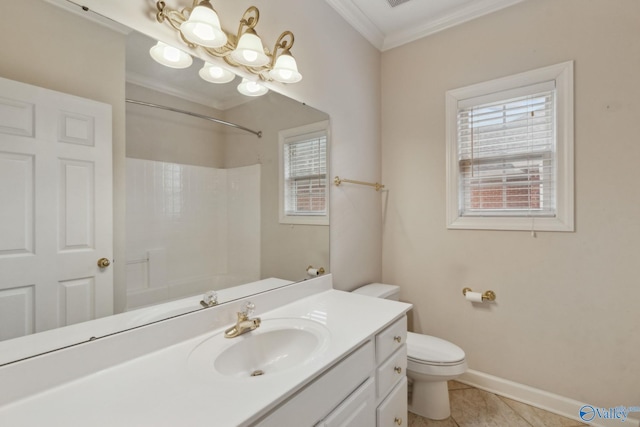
point(170, 56)
point(199, 26)
point(286, 69)
point(203, 27)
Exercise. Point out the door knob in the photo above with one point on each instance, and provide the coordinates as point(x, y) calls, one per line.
point(104, 263)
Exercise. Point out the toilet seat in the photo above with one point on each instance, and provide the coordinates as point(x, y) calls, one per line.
point(428, 350)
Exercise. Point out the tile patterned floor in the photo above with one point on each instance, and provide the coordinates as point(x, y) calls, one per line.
point(471, 407)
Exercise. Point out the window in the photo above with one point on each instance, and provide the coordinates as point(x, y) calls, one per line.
point(510, 152)
point(304, 191)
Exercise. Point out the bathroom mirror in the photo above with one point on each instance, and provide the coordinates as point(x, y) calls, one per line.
point(227, 255)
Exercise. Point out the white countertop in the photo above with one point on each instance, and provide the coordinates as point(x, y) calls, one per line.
point(160, 389)
point(28, 345)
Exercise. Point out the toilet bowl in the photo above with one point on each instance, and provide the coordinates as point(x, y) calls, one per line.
point(431, 362)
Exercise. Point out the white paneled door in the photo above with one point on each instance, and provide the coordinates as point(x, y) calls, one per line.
point(55, 209)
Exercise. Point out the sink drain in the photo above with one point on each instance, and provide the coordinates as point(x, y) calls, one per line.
point(257, 373)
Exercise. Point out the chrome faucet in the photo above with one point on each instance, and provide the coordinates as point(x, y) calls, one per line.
point(244, 324)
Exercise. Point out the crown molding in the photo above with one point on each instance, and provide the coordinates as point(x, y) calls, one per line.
point(86, 13)
point(459, 16)
point(358, 20)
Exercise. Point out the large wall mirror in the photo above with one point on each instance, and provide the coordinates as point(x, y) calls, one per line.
point(202, 200)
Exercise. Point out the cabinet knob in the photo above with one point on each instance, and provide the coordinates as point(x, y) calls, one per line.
point(398, 369)
point(398, 421)
point(397, 338)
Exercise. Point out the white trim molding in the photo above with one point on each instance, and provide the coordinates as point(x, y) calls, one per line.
point(545, 400)
point(563, 220)
point(459, 16)
point(426, 26)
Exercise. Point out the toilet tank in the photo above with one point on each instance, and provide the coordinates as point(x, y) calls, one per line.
point(380, 290)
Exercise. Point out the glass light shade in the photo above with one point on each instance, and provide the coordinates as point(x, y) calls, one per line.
point(251, 88)
point(215, 74)
point(250, 51)
point(285, 69)
point(203, 28)
point(169, 56)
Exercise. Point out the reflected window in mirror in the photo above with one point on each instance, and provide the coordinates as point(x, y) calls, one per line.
point(304, 190)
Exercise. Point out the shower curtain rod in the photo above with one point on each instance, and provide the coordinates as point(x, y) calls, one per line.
point(200, 116)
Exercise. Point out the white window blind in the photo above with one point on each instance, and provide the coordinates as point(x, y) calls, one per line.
point(305, 175)
point(507, 153)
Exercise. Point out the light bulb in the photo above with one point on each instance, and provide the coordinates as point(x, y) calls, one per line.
point(250, 51)
point(215, 74)
point(170, 56)
point(203, 27)
point(251, 88)
point(249, 55)
point(285, 69)
point(205, 32)
point(285, 74)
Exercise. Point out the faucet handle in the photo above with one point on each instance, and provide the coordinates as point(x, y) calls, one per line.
point(248, 308)
point(209, 299)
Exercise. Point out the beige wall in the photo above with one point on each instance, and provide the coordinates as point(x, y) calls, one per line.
point(566, 314)
point(73, 55)
point(166, 136)
point(286, 250)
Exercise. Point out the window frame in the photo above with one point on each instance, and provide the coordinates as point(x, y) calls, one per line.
point(284, 137)
point(562, 74)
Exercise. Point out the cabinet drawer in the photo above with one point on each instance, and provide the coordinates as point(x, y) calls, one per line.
point(391, 371)
point(391, 339)
point(393, 411)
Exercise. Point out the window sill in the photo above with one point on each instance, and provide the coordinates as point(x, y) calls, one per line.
point(304, 220)
point(510, 223)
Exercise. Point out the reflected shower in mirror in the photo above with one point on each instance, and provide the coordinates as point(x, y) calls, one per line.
point(200, 195)
point(202, 199)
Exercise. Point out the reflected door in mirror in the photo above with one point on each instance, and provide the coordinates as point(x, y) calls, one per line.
point(56, 210)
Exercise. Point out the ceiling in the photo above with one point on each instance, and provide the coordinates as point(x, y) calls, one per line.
point(392, 23)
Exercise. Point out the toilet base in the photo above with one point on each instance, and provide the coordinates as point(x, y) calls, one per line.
point(430, 399)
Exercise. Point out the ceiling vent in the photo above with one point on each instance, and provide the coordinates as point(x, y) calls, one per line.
point(394, 3)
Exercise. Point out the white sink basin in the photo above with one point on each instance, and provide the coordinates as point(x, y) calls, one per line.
point(276, 346)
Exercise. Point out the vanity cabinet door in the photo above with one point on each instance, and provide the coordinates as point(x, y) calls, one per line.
point(325, 393)
point(393, 411)
point(358, 410)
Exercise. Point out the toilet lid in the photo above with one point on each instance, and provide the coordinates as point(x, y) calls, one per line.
point(430, 349)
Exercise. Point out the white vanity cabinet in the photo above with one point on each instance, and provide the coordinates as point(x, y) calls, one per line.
point(391, 375)
point(367, 388)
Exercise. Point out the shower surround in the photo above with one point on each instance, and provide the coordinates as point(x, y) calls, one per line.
point(189, 229)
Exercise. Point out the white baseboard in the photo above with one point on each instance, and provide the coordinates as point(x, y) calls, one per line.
point(550, 402)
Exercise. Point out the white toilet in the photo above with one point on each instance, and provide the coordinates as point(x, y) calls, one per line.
point(431, 362)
